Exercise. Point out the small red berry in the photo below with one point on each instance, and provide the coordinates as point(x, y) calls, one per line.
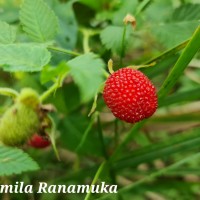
point(39, 142)
point(130, 95)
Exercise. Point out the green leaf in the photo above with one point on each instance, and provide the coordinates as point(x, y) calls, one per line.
point(190, 95)
point(188, 12)
point(15, 161)
point(67, 36)
point(173, 33)
point(23, 57)
point(175, 144)
point(111, 37)
point(7, 33)
point(38, 20)
point(49, 73)
point(185, 58)
point(96, 5)
point(74, 128)
point(173, 27)
point(87, 71)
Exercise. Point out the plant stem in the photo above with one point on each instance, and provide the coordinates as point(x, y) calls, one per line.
point(73, 53)
point(8, 92)
point(86, 36)
point(116, 137)
point(127, 138)
point(106, 156)
point(98, 173)
point(51, 90)
point(85, 134)
point(101, 138)
point(123, 45)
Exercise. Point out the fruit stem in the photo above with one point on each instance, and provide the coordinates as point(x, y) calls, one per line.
point(123, 45)
point(86, 37)
point(73, 53)
point(58, 83)
point(51, 90)
point(9, 92)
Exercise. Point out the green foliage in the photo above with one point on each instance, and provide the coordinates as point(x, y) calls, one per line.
point(15, 161)
point(66, 65)
point(38, 20)
point(170, 24)
point(7, 33)
point(111, 37)
point(88, 83)
point(23, 57)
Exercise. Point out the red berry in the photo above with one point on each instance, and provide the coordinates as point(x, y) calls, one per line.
point(39, 142)
point(130, 95)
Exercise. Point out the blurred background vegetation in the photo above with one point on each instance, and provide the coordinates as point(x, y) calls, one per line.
point(170, 135)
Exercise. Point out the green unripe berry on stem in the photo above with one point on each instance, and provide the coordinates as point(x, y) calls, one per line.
point(21, 120)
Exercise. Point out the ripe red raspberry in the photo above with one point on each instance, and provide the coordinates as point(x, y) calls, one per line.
point(130, 95)
point(39, 142)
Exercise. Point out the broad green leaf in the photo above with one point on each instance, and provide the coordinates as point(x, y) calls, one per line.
point(173, 33)
point(23, 57)
point(173, 27)
point(7, 33)
point(187, 12)
point(9, 10)
point(38, 20)
point(87, 72)
point(15, 161)
point(67, 36)
point(112, 36)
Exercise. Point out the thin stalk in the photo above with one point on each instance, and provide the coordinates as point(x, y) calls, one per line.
point(51, 90)
point(106, 156)
point(86, 37)
point(123, 45)
point(85, 134)
point(116, 132)
point(101, 138)
point(58, 83)
point(126, 139)
point(8, 92)
point(61, 50)
point(96, 177)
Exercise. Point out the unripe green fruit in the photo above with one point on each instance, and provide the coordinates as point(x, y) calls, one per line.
point(21, 120)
